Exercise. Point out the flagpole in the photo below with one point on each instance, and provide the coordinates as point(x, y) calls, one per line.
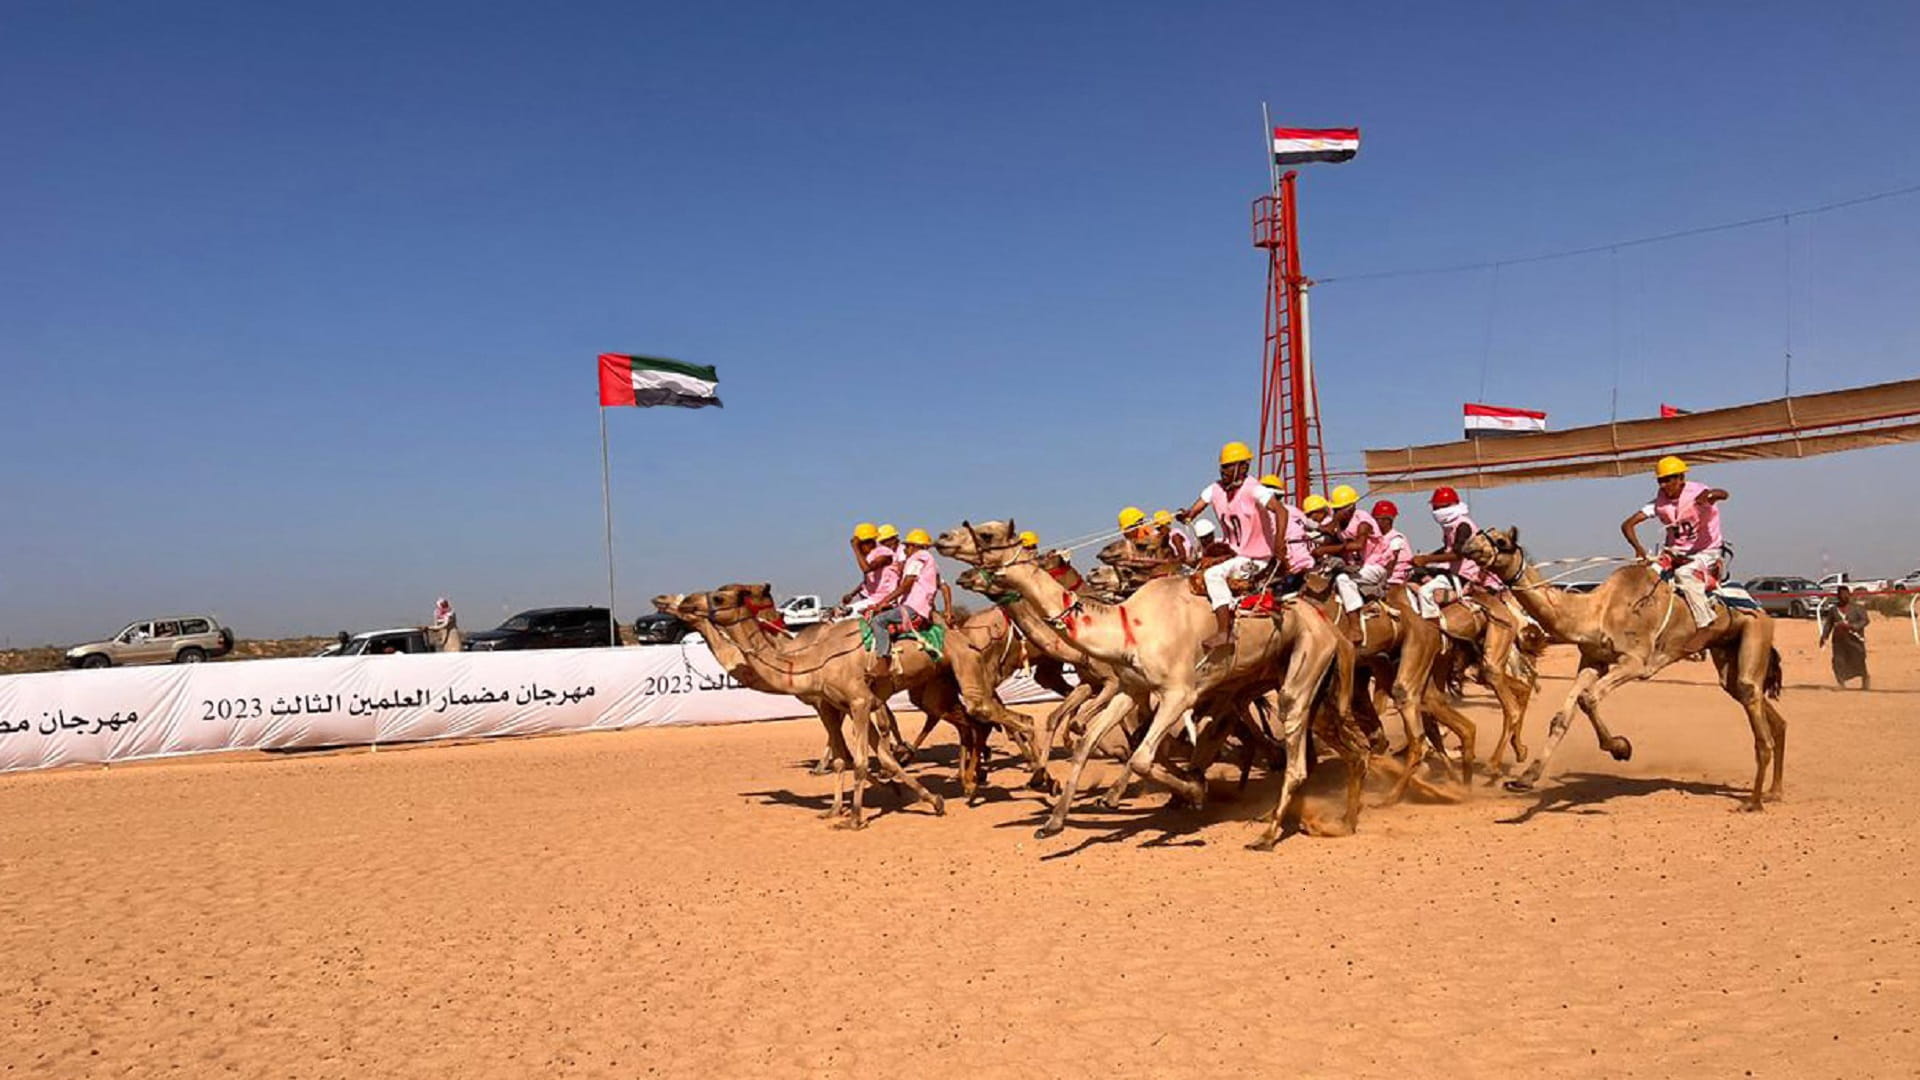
point(1266, 142)
point(606, 506)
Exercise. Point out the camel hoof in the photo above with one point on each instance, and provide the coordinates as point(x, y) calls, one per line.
point(1265, 843)
point(821, 768)
point(1775, 796)
point(1621, 748)
point(1518, 783)
point(939, 806)
point(903, 754)
point(852, 824)
point(1748, 808)
point(1047, 831)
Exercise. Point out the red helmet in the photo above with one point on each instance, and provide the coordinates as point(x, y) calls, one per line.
point(1445, 496)
point(1385, 509)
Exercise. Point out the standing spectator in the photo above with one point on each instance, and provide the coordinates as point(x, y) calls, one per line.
point(1845, 624)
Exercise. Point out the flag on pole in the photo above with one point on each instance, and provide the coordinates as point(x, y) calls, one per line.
point(1499, 420)
point(1667, 412)
point(1295, 146)
point(650, 380)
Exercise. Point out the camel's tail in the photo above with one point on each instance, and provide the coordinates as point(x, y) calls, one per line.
point(1776, 679)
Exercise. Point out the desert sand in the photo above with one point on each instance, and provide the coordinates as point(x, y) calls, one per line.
point(667, 902)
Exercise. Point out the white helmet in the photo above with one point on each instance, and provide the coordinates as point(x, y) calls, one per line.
point(1202, 528)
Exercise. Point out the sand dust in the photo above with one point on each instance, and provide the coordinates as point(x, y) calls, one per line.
point(666, 902)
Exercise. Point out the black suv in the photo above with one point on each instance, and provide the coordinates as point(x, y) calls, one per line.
point(659, 628)
point(545, 628)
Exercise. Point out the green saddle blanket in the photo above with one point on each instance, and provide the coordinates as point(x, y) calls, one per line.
point(932, 638)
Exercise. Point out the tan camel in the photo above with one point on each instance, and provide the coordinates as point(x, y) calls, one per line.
point(694, 608)
point(982, 651)
point(445, 637)
point(1155, 637)
point(1400, 647)
point(1488, 645)
point(833, 663)
point(1631, 628)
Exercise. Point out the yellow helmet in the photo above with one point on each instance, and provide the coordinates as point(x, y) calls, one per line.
point(1030, 539)
point(1235, 451)
point(1272, 481)
point(865, 531)
point(1314, 504)
point(919, 536)
point(1669, 466)
point(885, 532)
point(1163, 517)
point(1132, 516)
point(1342, 497)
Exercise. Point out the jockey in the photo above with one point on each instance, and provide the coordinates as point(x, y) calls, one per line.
point(1207, 543)
point(1175, 538)
point(1360, 546)
point(1457, 572)
point(1246, 515)
point(1399, 549)
point(1030, 541)
point(909, 604)
point(1297, 538)
point(879, 568)
point(1693, 548)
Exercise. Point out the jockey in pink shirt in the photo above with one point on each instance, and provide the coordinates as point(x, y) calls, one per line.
point(909, 604)
point(879, 564)
point(1458, 573)
point(1398, 557)
point(1246, 511)
point(1693, 547)
point(1360, 550)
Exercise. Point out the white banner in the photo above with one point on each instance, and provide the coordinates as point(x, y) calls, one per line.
point(124, 714)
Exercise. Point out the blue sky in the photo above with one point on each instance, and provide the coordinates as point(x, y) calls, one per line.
point(298, 307)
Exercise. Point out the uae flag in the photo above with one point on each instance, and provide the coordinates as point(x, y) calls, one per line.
point(1294, 146)
point(1498, 420)
point(650, 380)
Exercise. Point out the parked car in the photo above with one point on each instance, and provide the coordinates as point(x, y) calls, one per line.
point(802, 611)
point(544, 628)
point(659, 628)
point(181, 639)
point(1791, 597)
point(1909, 583)
point(1832, 582)
point(406, 639)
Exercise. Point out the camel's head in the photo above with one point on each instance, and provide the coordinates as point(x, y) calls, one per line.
point(972, 579)
point(668, 603)
point(985, 544)
point(1104, 579)
point(741, 596)
point(1116, 551)
point(1496, 549)
point(687, 606)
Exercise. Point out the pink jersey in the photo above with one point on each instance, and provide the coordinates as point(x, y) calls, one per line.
point(926, 581)
point(1693, 525)
point(883, 572)
point(1451, 537)
point(1374, 552)
point(1399, 559)
point(1299, 540)
point(1239, 516)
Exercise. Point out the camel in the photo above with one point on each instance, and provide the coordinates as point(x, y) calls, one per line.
point(445, 637)
point(1630, 628)
point(1391, 638)
point(833, 664)
point(1153, 640)
point(982, 652)
point(1486, 644)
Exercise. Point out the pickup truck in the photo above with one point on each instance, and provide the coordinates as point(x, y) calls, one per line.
point(1832, 582)
point(181, 639)
point(802, 611)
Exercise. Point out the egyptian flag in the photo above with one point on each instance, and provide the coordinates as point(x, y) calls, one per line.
point(1295, 146)
point(1668, 412)
point(649, 380)
point(1498, 420)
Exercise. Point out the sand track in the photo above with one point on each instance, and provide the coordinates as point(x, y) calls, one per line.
point(667, 902)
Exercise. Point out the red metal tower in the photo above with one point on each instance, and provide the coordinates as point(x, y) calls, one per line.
point(1289, 404)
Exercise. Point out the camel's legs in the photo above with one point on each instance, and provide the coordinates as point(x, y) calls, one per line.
point(899, 774)
point(1779, 725)
point(1116, 711)
point(1174, 704)
point(836, 756)
point(1589, 673)
point(1294, 738)
point(1513, 710)
point(863, 727)
point(1747, 672)
point(1441, 710)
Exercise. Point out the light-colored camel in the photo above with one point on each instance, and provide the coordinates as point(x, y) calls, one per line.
point(833, 663)
point(982, 651)
point(1391, 638)
point(1488, 644)
point(445, 637)
point(1630, 628)
point(1155, 638)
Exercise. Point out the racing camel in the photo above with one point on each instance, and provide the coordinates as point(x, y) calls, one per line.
point(1631, 628)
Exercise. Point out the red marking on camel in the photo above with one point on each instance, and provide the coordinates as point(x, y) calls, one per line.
point(1126, 627)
